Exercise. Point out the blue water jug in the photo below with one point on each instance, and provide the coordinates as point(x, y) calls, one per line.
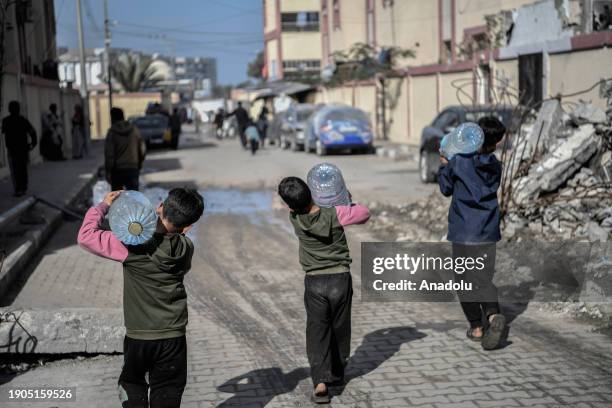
point(132, 218)
point(327, 186)
point(466, 138)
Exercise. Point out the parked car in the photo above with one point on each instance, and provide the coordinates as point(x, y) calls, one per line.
point(154, 129)
point(445, 122)
point(338, 127)
point(293, 126)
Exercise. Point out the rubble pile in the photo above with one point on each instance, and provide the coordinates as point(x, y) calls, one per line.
point(558, 181)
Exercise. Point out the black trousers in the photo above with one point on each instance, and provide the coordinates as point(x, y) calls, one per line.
point(166, 363)
point(328, 325)
point(124, 179)
point(254, 146)
point(242, 135)
point(18, 163)
point(482, 300)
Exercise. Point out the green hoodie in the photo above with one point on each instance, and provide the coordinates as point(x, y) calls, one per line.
point(123, 147)
point(323, 245)
point(154, 297)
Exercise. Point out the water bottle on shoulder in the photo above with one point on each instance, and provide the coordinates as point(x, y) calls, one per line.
point(132, 218)
point(466, 138)
point(327, 186)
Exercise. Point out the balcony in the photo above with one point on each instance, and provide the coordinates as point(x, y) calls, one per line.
point(291, 26)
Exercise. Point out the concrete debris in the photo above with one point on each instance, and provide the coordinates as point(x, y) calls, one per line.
point(588, 113)
point(547, 125)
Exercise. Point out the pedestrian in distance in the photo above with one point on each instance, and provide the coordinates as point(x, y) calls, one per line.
point(78, 132)
point(154, 298)
point(124, 153)
point(242, 119)
point(218, 123)
point(325, 258)
point(17, 129)
point(52, 140)
point(175, 128)
point(473, 229)
point(253, 137)
point(262, 125)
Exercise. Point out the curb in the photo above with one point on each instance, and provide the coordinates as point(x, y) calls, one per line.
point(19, 258)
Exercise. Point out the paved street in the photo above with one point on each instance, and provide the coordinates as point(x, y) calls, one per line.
point(246, 328)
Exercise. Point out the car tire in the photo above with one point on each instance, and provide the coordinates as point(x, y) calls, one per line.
point(428, 166)
point(320, 150)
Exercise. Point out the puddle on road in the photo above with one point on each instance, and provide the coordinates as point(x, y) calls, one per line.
point(257, 205)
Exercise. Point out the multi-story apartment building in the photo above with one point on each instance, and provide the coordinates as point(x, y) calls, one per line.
point(292, 32)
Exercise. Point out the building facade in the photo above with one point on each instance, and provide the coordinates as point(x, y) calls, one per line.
point(292, 33)
point(30, 70)
point(466, 52)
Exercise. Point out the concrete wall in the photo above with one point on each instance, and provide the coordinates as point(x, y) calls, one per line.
point(352, 25)
point(291, 6)
point(133, 104)
point(423, 105)
point(301, 45)
point(576, 71)
point(270, 15)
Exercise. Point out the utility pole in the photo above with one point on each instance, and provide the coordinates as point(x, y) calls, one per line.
point(107, 42)
point(83, 61)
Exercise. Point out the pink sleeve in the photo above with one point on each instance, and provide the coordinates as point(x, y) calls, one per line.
point(352, 214)
point(97, 241)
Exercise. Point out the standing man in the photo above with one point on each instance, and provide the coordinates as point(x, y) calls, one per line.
point(175, 128)
point(124, 152)
point(242, 117)
point(16, 129)
point(51, 142)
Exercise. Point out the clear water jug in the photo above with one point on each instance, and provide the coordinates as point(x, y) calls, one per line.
point(100, 189)
point(327, 186)
point(465, 139)
point(132, 218)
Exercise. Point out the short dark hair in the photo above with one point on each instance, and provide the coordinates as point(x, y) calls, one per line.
point(116, 115)
point(14, 107)
point(183, 207)
point(493, 130)
point(53, 107)
point(296, 194)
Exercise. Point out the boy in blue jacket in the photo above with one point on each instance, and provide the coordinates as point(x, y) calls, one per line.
point(473, 228)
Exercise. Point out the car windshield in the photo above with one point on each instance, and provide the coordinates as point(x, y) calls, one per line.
point(304, 114)
point(503, 115)
point(151, 122)
point(346, 115)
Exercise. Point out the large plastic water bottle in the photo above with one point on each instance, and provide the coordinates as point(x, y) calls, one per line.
point(466, 138)
point(132, 218)
point(100, 189)
point(327, 186)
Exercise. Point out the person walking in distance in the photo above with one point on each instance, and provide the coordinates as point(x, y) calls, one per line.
point(124, 152)
point(242, 118)
point(51, 142)
point(16, 130)
point(262, 125)
point(175, 128)
point(78, 132)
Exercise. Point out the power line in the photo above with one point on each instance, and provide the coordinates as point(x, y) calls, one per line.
point(183, 31)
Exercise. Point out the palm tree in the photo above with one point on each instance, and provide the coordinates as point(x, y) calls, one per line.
point(134, 73)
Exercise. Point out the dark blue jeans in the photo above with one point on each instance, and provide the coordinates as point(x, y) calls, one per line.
point(328, 325)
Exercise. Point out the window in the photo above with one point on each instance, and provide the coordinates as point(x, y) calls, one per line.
point(301, 65)
point(301, 21)
point(336, 11)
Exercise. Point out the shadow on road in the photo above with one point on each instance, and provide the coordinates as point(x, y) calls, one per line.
point(262, 385)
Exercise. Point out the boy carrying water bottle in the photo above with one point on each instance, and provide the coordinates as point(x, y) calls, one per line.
point(325, 258)
point(154, 298)
point(472, 180)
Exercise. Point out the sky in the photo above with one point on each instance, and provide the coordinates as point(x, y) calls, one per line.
point(229, 30)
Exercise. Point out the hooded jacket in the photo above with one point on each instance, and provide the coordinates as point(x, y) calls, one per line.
point(323, 245)
point(124, 148)
point(472, 180)
point(154, 296)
